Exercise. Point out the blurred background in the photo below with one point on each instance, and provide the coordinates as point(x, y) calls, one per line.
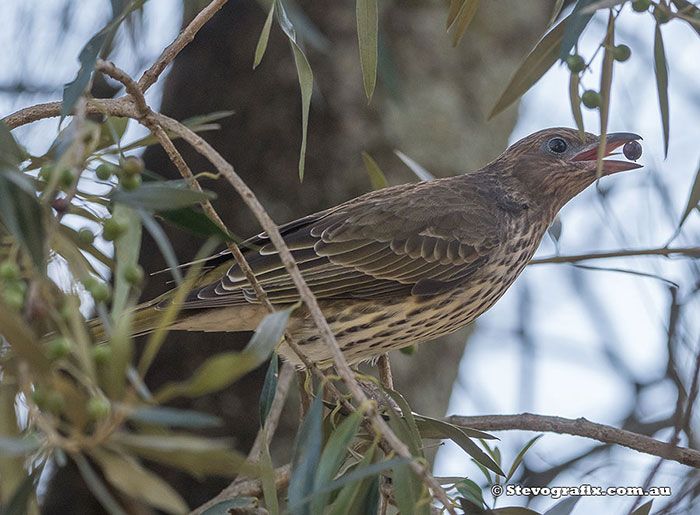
point(611, 340)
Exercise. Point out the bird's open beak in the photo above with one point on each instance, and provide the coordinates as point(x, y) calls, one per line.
point(613, 141)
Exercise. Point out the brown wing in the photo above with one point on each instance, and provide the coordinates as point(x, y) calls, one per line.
point(415, 239)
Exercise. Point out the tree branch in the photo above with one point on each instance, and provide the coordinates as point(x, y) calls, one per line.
point(580, 427)
point(660, 251)
point(151, 75)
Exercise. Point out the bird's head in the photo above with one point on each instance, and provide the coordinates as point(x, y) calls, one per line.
point(552, 166)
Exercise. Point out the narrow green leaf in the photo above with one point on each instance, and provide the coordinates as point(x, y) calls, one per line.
point(354, 485)
point(200, 457)
point(161, 196)
point(267, 395)
point(87, 58)
point(693, 199)
point(471, 492)
point(306, 84)
point(556, 10)
point(97, 487)
point(513, 510)
point(563, 507)
point(367, 34)
point(21, 340)
point(578, 19)
point(416, 443)
point(455, 8)
point(267, 476)
point(575, 100)
point(126, 253)
point(11, 153)
point(408, 490)
point(644, 509)
point(128, 476)
point(464, 18)
point(264, 37)
point(538, 61)
point(225, 368)
point(434, 428)
point(306, 78)
point(605, 85)
point(195, 221)
point(418, 170)
point(332, 458)
point(305, 457)
point(661, 70)
point(163, 243)
point(17, 504)
point(520, 456)
point(173, 417)
point(458, 436)
point(111, 131)
point(267, 335)
point(23, 216)
point(376, 176)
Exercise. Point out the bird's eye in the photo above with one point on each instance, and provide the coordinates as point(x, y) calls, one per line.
point(557, 145)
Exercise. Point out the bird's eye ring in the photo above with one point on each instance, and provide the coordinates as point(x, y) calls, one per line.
point(557, 145)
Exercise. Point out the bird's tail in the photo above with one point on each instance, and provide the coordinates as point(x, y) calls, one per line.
point(145, 318)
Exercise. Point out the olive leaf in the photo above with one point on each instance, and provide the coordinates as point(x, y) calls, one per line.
point(538, 61)
point(367, 15)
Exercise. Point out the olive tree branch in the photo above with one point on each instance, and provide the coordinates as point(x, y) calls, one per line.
point(186, 36)
point(580, 427)
point(660, 251)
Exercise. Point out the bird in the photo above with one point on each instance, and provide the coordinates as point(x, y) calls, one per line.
point(404, 264)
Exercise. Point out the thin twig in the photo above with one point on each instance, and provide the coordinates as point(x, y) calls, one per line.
point(660, 251)
point(151, 75)
point(580, 427)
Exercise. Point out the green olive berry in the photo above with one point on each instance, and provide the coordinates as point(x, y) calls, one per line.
point(114, 227)
point(133, 274)
point(58, 348)
point(85, 236)
point(89, 282)
point(576, 63)
point(13, 298)
point(101, 353)
point(67, 177)
point(621, 53)
point(130, 182)
point(98, 408)
point(409, 350)
point(40, 398)
point(55, 402)
point(641, 5)
point(132, 165)
point(100, 291)
point(591, 99)
point(46, 172)
point(9, 271)
point(105, 171)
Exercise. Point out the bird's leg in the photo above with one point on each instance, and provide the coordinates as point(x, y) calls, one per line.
point(384, 368)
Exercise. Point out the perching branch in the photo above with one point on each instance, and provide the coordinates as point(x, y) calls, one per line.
point(580, 427)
